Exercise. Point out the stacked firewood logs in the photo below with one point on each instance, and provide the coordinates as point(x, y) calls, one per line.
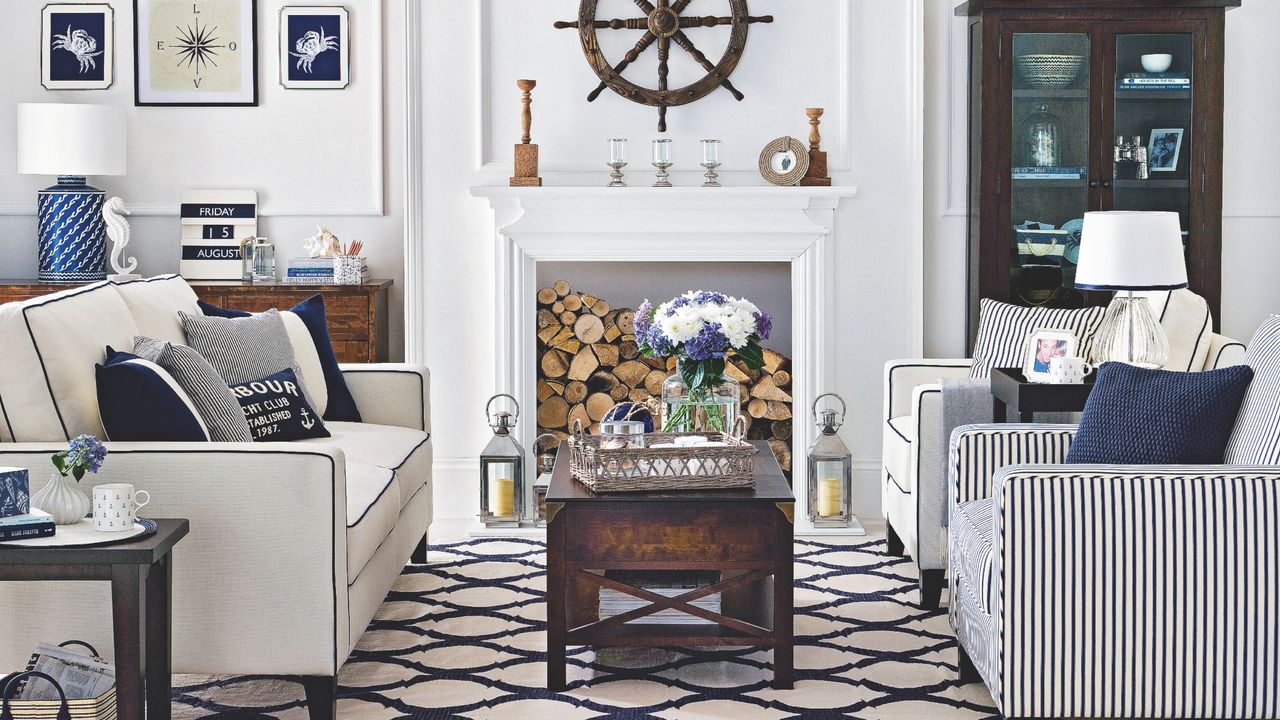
point(589, 360)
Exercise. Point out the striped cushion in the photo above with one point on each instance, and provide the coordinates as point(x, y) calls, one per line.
point(1003, 330)
point(1256, 437)
point(1188, 325)
point(245, 349)
point(208, 391)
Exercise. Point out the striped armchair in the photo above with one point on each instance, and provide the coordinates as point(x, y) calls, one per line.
point(1112, 591)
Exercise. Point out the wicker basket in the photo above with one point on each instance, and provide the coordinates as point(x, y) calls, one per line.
point(649, 468)
point(102, 707)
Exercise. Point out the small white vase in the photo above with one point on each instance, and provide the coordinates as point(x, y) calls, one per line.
point(63, 499)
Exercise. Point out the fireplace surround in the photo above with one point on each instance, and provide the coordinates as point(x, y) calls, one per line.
point(687, 225)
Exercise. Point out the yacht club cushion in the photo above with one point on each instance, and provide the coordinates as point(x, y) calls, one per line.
point(140, 402)
point(403, 450)
point(339, 405)
point(1137, 416)
point(276, 409)
point(1003, 330)
point(1256, 437)
point(206, 388)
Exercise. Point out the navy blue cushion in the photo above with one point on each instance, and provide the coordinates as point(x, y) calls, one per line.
point(1137, 416)
point(139, 401)
point(277, 410)
point(341, 405)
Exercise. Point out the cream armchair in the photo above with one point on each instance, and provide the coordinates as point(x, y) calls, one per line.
point(913, 478)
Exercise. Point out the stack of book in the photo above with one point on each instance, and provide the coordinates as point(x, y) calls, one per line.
point(1155, 81)
point(667, 584)
point(34, 524)
point(1049, 173)
point(315, 271)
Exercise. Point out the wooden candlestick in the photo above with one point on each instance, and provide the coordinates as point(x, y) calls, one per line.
point(816, 175)
point(526, 161)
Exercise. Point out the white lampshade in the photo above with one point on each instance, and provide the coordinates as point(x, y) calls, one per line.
point(66, 139)
point(1128, 250)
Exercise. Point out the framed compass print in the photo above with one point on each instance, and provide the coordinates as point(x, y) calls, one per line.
point(195, 52)
point(77, 46)
point(314, 47)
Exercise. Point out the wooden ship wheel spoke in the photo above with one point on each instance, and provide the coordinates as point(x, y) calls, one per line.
point(663, 24)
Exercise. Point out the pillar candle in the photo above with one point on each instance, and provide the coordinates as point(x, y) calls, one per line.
point(829, 504)
point(502, 491)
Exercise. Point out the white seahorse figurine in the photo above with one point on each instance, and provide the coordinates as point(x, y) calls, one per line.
point(118, 232)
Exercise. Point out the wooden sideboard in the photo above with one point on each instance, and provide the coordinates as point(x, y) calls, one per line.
point(358, 314)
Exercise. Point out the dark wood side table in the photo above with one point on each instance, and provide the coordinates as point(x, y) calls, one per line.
point(141, 575)
point(358, 314)
point(743, 537)
point(1011, 392)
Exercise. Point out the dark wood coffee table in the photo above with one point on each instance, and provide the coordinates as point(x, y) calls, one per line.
point(141, 576)
point(743, 537)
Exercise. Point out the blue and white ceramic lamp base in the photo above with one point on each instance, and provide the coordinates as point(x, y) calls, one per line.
point(73, 244)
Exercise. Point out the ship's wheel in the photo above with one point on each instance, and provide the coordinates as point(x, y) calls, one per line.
point(664, 25)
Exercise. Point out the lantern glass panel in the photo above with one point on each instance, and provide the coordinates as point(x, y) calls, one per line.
point(832, 488)
point(501, 490)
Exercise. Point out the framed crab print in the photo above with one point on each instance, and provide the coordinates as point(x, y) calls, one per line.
point(195, 52)
point(77, 46)
point(314, 47)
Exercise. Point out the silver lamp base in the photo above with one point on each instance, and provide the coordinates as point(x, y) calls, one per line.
point(1130, 333)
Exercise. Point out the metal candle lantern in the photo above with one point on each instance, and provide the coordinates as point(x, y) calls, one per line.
point(501, 470)
point(545, 457)
point(830, 470)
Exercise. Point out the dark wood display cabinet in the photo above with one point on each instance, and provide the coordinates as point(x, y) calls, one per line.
point(1058, 92)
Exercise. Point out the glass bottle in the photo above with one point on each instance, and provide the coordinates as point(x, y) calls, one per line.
point(1041, 136)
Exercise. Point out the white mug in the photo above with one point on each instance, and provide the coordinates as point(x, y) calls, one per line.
point(115, 506)
point(1068, 370)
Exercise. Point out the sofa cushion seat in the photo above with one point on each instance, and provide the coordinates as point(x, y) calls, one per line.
point(373, 507)
point(402, 450)
point(897, 451)
point(974, 528)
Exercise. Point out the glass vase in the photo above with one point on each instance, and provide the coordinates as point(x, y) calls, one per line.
point(63, 499)
point(711, 408)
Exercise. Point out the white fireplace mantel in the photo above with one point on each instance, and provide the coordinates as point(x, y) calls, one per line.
point(684, 224)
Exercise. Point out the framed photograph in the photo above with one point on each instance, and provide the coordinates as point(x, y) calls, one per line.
point(77, 46)
point(314, 47)
point(784, 161)
point(1043, 346)
point(1162, 153)
point(195, 52)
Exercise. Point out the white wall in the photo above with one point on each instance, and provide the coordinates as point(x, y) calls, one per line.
point(853, 57)
point(319, 156)
point(1251, 205)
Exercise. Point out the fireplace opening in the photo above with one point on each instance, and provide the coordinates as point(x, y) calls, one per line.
point(588, 358)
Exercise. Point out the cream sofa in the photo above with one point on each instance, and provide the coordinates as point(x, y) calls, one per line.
point(913, 478)
point(293, 546)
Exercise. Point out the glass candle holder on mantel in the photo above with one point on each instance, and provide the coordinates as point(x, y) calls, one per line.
point(617, 161)
point(711, 161)
point(662, 161)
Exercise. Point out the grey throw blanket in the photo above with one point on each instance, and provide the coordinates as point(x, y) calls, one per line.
point(967, 401)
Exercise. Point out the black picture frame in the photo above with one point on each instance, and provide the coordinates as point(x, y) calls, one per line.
point(138, 39)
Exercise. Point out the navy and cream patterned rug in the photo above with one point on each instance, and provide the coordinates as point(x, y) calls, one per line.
point(464, 636)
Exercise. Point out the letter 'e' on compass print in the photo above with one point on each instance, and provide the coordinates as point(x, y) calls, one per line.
point(196, 52)
point(77, 46)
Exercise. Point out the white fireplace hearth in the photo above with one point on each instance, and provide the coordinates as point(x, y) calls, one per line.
point(680, 225)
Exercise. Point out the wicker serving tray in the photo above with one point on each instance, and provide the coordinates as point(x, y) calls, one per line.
point(650, 468)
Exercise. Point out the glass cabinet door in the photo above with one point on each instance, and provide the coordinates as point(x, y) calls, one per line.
point(1151, 123)
point(1049, 188)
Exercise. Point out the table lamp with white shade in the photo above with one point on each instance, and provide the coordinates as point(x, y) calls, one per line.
point(1129, 251)
point(71, 141)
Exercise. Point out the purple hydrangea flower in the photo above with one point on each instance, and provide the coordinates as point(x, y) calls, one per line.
point(705, 296)
point(659, 342)
point(86, 451)
point(764, 324)
point(676, 304)
point(708, 344)
point(644, 318)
